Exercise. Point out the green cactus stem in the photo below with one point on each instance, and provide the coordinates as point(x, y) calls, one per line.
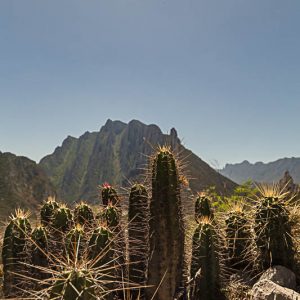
point(202, 207)
point(83, 214)
point(62, 219)
point(48, 211)
point(109, 195)
point(15, 253)
point(205, 261)
point(75, 243)
point(138, 235)
point(166, 228)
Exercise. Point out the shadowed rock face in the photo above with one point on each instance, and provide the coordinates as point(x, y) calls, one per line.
point(22, 184)
point(116, 154)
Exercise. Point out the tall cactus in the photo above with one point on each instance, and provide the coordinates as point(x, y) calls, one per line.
point(238, 235)
point(202, 207)
point(166, 228)
point(138, 235)
point(39, 253)
point(48, 211)
point(15, 253)
point(273, 229)
point(206, 261)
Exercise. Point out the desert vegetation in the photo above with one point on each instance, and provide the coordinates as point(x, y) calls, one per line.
point(153, 251)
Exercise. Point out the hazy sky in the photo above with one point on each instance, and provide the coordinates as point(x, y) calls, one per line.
point(225, 73)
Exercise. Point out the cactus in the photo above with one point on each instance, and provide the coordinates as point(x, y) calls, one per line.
point(138, 233)
point(111, 214)
point(48, 211)
point(74, 284)
point(83, 214)
point(206, 261)
point(100, 246)
point(109, 195)
point(202, 207)
point(166, 228)
point(15, 253)
point(75, 243)
point(238, 237)
point(62, 219)
point(273, 229)
point(39, 257)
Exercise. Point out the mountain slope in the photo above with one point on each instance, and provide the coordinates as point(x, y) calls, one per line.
point(116, 154)
point(22, 184)
point(263, 172)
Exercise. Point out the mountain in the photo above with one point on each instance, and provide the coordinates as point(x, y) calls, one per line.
point(263, 172)
point(116, 154)
point(22, 184)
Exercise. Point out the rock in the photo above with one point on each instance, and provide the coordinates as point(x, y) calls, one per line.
point(281, 276)
point(268, 290)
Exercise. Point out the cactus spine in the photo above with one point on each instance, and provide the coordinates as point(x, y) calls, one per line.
point(273, 229)
point(205, 260)
point(138, 233)
point(166, 227)
point(15, 252)
point(75, 243)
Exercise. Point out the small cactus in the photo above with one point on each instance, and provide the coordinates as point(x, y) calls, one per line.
point(48, 211)
point(109, 195)
point(62, 219)
point(15, 253)
point(273, 228)
point(238, 237)
point(75, 245)
point(83, 214)
point(205, 260)
point(202, 207)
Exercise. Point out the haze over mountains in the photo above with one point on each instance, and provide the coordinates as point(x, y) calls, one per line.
point(263, 172)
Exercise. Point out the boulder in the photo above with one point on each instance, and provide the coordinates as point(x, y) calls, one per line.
point(281, 276)
point(268, 290)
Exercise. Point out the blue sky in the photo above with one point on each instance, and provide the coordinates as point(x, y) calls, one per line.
point(226, 74)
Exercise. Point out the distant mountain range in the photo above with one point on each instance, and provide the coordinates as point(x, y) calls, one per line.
point(117, 154)
point(22, 184)
point(263, 172)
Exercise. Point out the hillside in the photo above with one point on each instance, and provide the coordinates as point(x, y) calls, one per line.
point(117, 153)
point(263, 172)
point(22, 184)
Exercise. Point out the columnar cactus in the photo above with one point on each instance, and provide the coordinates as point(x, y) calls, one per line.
point(166, 228)
point(62, 219)
point(238, 237)
point(74, 284)
point(205, 261)
point(138, 235)
point(39, 253)
point(15, 253)
point(109, 195)
point(202, 207)
point(48, 211)
point(83, 214)
point(273, 229)
point(75, 245)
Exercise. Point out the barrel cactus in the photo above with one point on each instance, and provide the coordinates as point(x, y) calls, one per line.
point(205, 268)
point(15, 253)
point(273, 228)
point(138, 235)
point(83, 214)
point(166, 227)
